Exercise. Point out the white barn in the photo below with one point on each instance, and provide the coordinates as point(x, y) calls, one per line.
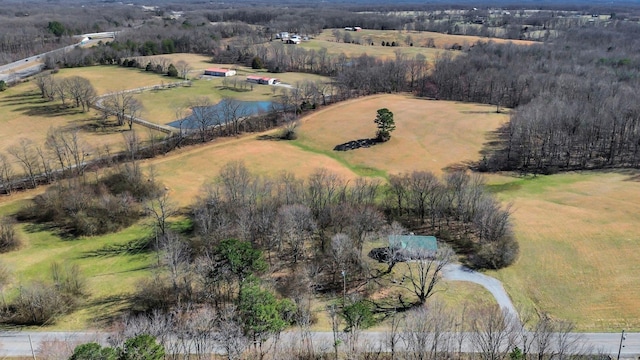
point(219, 72)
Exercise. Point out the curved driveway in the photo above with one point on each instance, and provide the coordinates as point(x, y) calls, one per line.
point(458, 272)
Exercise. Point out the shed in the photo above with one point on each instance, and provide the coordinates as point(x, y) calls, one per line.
point(219, 72)
point(262, 80)
point(414, 242)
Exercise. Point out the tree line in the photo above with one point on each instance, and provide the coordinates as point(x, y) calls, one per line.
point(573, 98)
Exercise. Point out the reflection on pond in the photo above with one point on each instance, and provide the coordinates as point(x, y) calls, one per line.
point(223, 112)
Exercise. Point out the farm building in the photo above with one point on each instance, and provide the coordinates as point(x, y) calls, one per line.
point(219, 72)
point(262, 80)
point(414, 243)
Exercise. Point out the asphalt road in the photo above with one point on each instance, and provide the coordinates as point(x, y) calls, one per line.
point(17, 70)
point(17, 343)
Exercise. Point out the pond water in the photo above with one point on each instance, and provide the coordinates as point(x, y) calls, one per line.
point(221, 113)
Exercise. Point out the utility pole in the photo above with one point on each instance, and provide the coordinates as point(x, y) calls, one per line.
point(622, 338)
point(344, 287)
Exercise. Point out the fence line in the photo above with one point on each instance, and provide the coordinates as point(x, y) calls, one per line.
point(162, 128)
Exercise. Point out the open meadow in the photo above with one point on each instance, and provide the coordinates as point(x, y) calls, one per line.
point(578, 236)
point(429, 44)
point(24, 114)
point(430, 135)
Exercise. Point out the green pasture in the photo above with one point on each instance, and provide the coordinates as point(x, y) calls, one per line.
point(111, 265)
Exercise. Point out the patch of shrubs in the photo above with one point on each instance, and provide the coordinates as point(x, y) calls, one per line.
point(9, 239)
point(40, 303)
point(82, 209)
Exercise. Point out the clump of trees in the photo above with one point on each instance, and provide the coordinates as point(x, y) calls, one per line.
point(458, 209)
point(74, 91)
point(78, 208)
point(9, 239)
point(312, 233)
point(42, 302)
point(575, 109)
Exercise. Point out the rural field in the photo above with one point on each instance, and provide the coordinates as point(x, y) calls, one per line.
point(429, 135)
point(575, 230)
point(28, 116)
point(441, 43)
point(578, 236)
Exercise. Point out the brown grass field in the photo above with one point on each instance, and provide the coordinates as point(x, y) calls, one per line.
point(442, 43)
point(579, 248)
point(186, 171)
point(24, 114)
point(429, 135)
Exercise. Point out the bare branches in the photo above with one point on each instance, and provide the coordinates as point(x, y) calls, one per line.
point(425, 271)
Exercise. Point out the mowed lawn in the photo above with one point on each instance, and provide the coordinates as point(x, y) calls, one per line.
point(430, 135)
point(579, 242)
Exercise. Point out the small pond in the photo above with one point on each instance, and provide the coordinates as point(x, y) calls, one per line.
point(221, 113)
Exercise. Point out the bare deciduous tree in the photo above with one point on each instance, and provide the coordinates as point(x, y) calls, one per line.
point(492, 332)
point(425, 272)
point(295, 226)
point(183, 68)
point(161, 208)
point(230, 335)
point(202, 116)
point(45, 83)
point(6, 174)
point(27, 156)
point(123, 106)
point(427, 331)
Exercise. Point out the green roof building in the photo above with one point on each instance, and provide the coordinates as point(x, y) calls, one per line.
point(414, 242)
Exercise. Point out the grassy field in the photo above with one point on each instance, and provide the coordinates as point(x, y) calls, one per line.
point(579, 245)
point(442, 43)
point(24, 114)
point(110, 277)
point(429, 135)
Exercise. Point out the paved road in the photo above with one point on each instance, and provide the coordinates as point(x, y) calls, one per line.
point(17, 343)
point(17, 70)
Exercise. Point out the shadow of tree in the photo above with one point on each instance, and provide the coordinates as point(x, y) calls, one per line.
point(132, 247)
point(356, 144)
point(51, 110)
